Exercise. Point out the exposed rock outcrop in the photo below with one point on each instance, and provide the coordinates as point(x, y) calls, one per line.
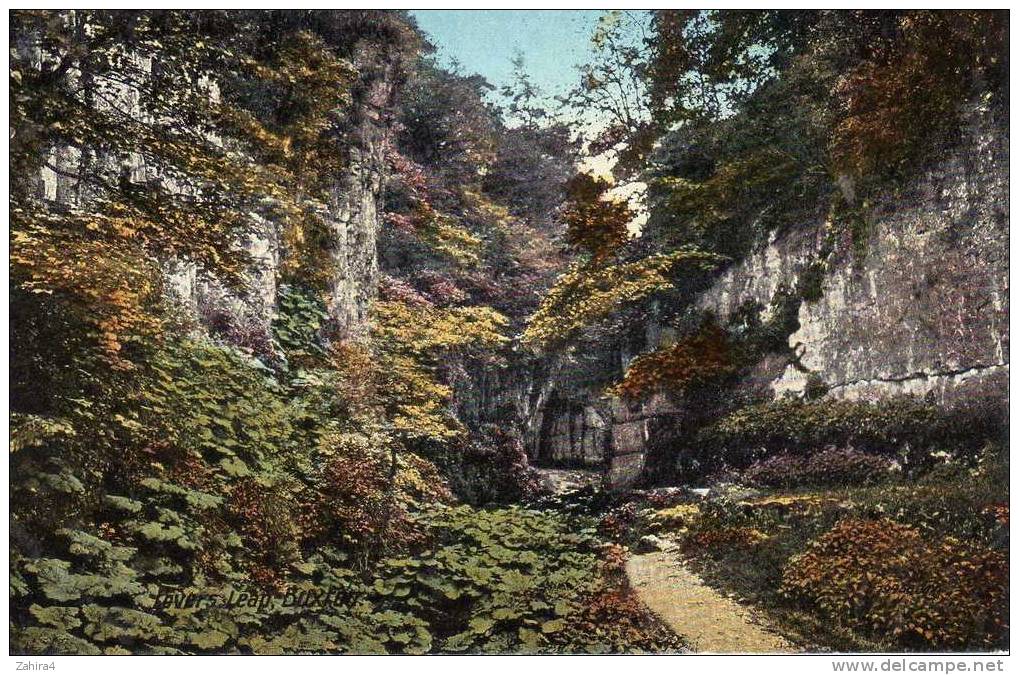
point(352, 214)
point(921, 307)
point(916, 304)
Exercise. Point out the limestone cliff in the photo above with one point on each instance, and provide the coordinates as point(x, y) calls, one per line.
point(921, 307)
point(917, 304)
point(352, 216)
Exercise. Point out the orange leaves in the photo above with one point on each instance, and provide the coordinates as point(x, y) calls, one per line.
point(106, 281)
point(887, 577)
point(698, 358)
point(725, 538)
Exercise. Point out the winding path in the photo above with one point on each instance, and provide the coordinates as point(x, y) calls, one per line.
point(709, 621)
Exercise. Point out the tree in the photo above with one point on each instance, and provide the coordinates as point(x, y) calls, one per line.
point(612, 94)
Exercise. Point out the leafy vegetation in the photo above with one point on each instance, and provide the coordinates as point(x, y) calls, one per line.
point(849, 567)
point(586, 294)
point(832, 466)
point(502, 581)
point(702, 357)
point(209, 455)
point(886, 578)
point(906, 428)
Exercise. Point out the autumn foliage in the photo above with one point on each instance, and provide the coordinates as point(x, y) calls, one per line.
point(889, 578)
point(906, 94)
point(595, 222)
point(696, 359)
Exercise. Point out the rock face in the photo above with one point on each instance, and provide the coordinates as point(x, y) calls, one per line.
point(918, 304)
point(353, 215)
point(355, 212)
point(559, 425)
point(573, 433)
point(922, 307)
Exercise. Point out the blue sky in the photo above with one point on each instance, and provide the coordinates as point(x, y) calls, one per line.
point(485, 41)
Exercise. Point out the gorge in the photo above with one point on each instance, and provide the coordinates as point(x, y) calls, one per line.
point(298, 309)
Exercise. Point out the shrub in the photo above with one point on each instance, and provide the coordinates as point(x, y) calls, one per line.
point(815, 387)
point(677, 518)
point(882, 576)
point(622, 522)
point(952, 499)
point(366, 488)
point(724, 537)
point(831, 466)
point(810, 284)
point(903, 425)
point(492, 468)
point(298, 322)
point(266, 524)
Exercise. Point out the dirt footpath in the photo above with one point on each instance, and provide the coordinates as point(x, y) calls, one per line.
point(709, 621)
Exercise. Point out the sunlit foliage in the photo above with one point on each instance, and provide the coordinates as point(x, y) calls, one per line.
point(588, 293)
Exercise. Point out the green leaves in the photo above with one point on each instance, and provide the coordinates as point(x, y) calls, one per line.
point(234, 467)
point(125, 504)
point(553, 626)
point(85, 544)
point(300, 316)
point(206, 640)
point(64, 618)
point(57, 582)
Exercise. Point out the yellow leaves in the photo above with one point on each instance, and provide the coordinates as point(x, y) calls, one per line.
point(678, 518)
point(587, 293)
point(410, 341)
point(424, 330)
point(444, 235)
point(452, 240)
point(700, 205)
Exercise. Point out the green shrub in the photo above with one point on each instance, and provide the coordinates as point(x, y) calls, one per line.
point(903, 426)
point(298, 322)
point(968, 500)
point(810, 284)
